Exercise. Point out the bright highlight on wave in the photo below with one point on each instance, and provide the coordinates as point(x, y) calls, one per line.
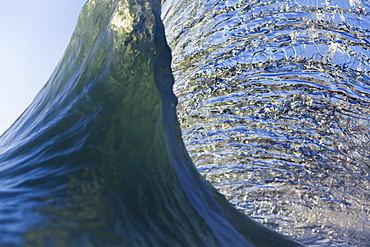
point(273, 105)
point(97, 159)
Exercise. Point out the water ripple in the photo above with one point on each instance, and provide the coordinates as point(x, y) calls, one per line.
point(274, 106)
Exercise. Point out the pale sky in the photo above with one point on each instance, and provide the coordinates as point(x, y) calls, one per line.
point(33, 37)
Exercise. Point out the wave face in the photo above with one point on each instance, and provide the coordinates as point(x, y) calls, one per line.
point(274, 106)
point(97, 159)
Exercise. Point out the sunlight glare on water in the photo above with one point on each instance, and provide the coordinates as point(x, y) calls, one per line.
point(274, 107)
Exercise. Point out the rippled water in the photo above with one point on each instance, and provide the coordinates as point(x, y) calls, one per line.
point(273, 103)
point(97, 159)
point(275, 109)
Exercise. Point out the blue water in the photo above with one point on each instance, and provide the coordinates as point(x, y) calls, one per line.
point(97, 159)
point(272, 101)
point(274, 107)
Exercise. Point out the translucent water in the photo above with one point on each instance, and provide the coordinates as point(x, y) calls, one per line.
point(275, 110)
point(97, 159)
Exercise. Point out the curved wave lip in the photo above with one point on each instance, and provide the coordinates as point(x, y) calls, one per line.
point(274, 108)
point(97, 159)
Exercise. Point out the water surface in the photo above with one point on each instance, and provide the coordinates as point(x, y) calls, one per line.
point(274, 106)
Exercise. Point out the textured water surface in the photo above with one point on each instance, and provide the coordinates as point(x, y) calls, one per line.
point(274, 107)
point(97, 159)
